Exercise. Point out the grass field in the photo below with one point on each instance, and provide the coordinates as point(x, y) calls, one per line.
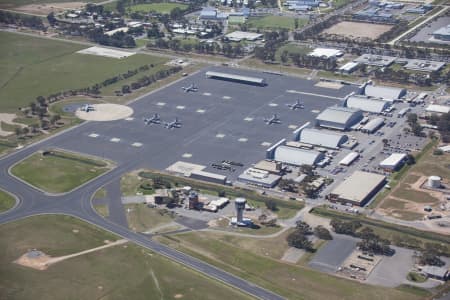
point(121, 272)
point(275, 22)
point(142, 218)
point(6, 201)
point(63, 172)
point(291, 49)
point(15, 3)
point(292, 282)
point(31, 67)
point(163, 8)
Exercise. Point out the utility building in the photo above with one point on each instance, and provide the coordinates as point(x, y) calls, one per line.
point(297, 157)
point(338, 117)
point(322, 138)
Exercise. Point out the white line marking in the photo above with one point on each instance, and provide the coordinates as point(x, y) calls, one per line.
point(266, 144)
point(312, 94)
point(180, 107)
point(292, 126)
point(243, 140)
point(93, 135)
point(161, 103)
point(248, 119)
point(115, 140)
point(187, 155)
point(137, 144)
point(273, 104)
point(129, 119)
point(220, 135)
point(226, 97)
point(206, 94)
point(201, 111)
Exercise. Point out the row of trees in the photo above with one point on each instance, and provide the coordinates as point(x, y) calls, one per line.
point(443, 123)
point(413, 123)
point(147, 80)
point(274, 39)
point(119, 39)
point(21, 20)
point(299, 237)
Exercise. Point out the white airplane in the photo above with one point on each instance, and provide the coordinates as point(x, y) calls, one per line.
point(296, 105)
point(155, 119)
point(87, 108)
point(190, 88)
point(174, 124)
point(273, 120)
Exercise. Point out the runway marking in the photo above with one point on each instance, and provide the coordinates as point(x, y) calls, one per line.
point(161, 103)
point(220, 135)
point(206, 94)
point(114, 140)
point(226, 97)
point(315, 111)
point(137, 144)
point(266, 144)
point(292, 126)
point(187, 155)
point(201, 111)
point(93, 135)
point(180, 107)
point(312, 94)
point(248, 119)
point(129, 119)
point(273, 104)
point(243, 140)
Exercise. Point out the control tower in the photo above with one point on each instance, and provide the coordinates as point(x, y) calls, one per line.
point(240, 207)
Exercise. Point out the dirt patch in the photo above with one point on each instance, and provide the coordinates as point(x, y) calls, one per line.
point(178, 296)
point(357, 30)
point(9, 119)
point(45, 8)
point(105, 112)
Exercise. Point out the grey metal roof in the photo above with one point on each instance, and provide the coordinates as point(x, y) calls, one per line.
point(235, 77)
point(366, 104)
point(393, 160)
point(373, 124)
point(337, 114)
point(298, 157)
point(322, 138)
point(358, 186)
point(384, 92)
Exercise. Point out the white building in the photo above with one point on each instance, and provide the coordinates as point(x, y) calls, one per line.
point(338, 117)
point(297, 157)
point(349, 159)
point(435, 108)
point(322, 138)
point(393, 162)
point(366, 104)
point(326, 53)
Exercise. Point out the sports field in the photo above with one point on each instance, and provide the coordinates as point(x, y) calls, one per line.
point(276, 22)
point(163, 8)
point(31, 67)
point(119, 272)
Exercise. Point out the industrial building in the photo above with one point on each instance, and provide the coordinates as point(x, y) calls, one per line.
point(383, 92)
point(208, 176)
point(237, 36)
point(326, 53)
point(375, 60)
point(273, 167)
point(349, 159)
point(358, 189)
point(423, 65)
point(322, 138)
point(259, 178)
point(366, 104)
point(348, 67)
point(373, 125)
point(394, 162)
point(442, 33)
point(236, 78)
point(297, 157)
point(338, 117)
point(440, 273)
point(440, 109)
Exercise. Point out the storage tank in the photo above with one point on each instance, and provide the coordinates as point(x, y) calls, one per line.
point(434, 182)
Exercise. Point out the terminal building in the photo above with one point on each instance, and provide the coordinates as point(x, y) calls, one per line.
point(322, 138)
point(339, 118)
point(298, 157)
point(394, 162)
point(357, 189)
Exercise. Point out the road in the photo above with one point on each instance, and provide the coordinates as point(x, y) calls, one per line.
point(78, 204)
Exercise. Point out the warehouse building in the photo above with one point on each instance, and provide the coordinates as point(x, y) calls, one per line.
point(440, 109)
point(236, 78)
point(338, 117)
point(208, 176)
point(273, 167)
point(237, 36)
point(298, 157)
point(349, 159)
point(348, 67)
point(373, 125)
point(383, 92)
point(423, 65)
point(326, 53)
point(259, 178)
point(322, 138)
point(375, 60)
point(358, 189)
point(394, 162)
point(366, 104)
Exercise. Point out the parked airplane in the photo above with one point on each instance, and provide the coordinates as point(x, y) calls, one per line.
point(155, 119)
point(296, 105)
point(174, 124)
point(273, 120)
point(190, 88)
point(87, 108)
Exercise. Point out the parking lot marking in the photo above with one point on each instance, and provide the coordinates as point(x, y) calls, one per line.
point(201, 111)
point(266, 144)
point(129, 119)
point(312, 94)
point(248, 119)
point(243, 140)
point(93, 135)
point(206, 94)
point(137, 144)
point(273, 104)
point(220, 135)
point(292, 126)
point(115, 140)
point(226, 97)
point(161, 103)
point(180, 107)
point(187, 155)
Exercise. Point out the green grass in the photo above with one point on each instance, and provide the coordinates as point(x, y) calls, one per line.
point(275, 22)
point(100, 193)
point(63, 172)
point(130, 185)
point(163, 8)
point(291, 49)
point(292, 282)
point(102, 210)
point(32, 66)
point(6, 201)
point(15, 3)
point(416, 277)
point(142, 218)
point(120, 272)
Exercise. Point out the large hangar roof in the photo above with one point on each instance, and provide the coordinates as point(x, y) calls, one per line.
point(365, 104)
point(337, 114)
point(384, 92)
point(298, 157)
point(322, 138)
point(228, 76)
point(358, 186)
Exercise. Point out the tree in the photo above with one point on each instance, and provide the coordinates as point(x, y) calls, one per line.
point(322, 233)
point(120, 7)
point(41, 101)
point(284, 56)
point(303, 227)
point(25, 130)
point(271, 205)
point(126, 89)
point(51, 19)
point(44, 124)
point(54, 119)
point(343, 227)
point(18, 131)
point(33, 107)
point(298, 240)
point(296, 23)
point(410, 159)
